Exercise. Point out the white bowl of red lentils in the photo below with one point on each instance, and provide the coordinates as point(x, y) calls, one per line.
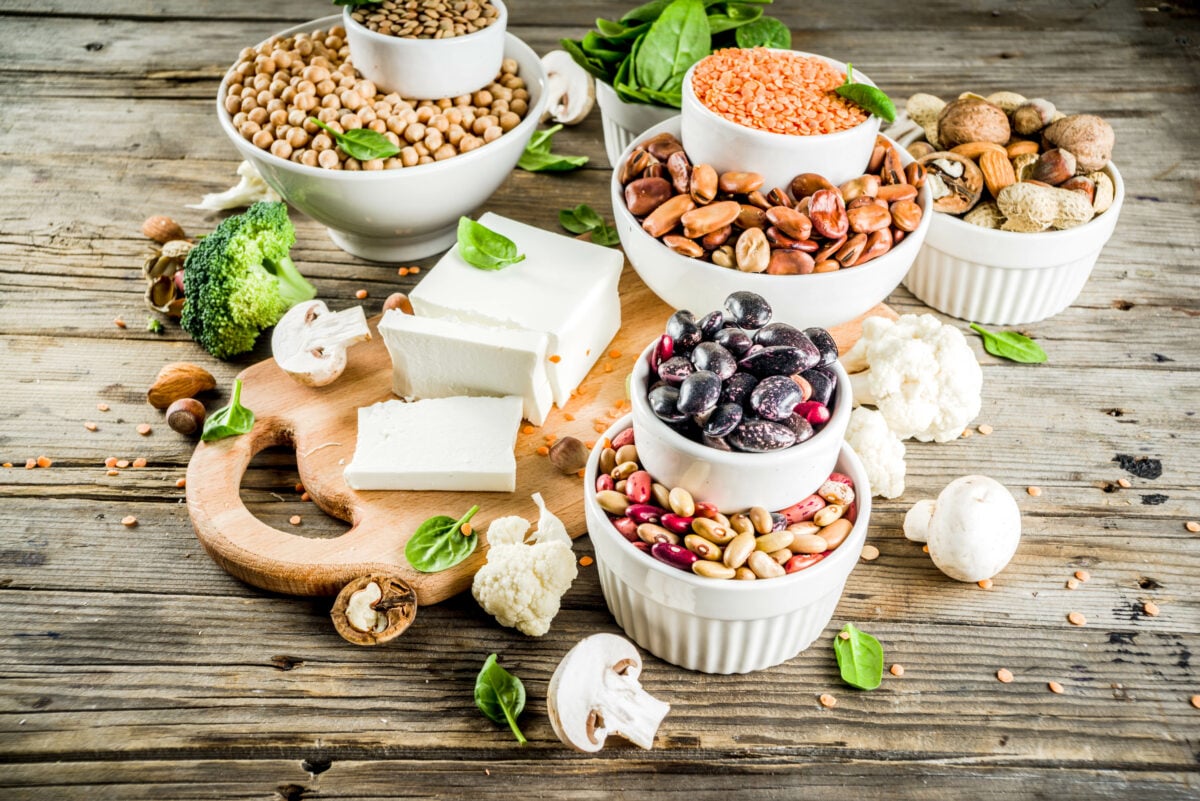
point(727, 625)
point(453, 153)
point(775, 112)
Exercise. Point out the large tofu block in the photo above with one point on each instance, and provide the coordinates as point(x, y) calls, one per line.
point(437, 358)
point(564, 288)
point(437, 444)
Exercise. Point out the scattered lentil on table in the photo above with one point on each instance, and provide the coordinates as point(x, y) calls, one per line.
point(1055, 687)
point(426, 19)
point(1004, 676)
point(827, 701)
point(1082, 575)
point(1077, 619)
point(896, 670)
point(1150, 608)
point(1192, 526)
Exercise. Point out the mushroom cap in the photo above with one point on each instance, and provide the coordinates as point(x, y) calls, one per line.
point(975, 528)
point(595, 692)
point(570, 89)
point(310, 342)
point(972, 119)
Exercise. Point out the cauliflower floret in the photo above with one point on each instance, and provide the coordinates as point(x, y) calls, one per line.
point(522, 583)
point(919, 373)
point(881, 451)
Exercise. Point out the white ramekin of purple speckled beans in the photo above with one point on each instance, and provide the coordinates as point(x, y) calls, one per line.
point(714, 622)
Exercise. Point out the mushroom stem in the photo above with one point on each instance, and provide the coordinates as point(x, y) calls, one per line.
point(632, 712)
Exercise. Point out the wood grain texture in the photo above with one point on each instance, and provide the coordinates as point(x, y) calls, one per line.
point(133, 667)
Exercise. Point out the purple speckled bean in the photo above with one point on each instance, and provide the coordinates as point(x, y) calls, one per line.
point(676, 556)
point(622, 439)
point(804, 510)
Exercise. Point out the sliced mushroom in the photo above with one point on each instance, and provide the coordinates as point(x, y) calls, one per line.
point(310, 342)
point(570, 90)
point(374, 609)
point(595, 692)
point(955, 181)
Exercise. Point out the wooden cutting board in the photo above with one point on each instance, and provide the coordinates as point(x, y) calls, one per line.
point(321, 424)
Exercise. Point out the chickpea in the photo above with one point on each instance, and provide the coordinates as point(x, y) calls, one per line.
point(481, 124)
point(306, 102)
point(493, 133)
point(425, 160)
point(433, 139)
point(331, 101)
point(408, 157)
point(281, 148)
point(421, 149)
point(321, 143)
point(508, 121)
point(367, 114)
point(518, 106)
point(309, 158)
point(455, 134)
point(521, 94)
point(446, 151)
point(454, 116)
point(393, 98)
point(378, 126)
point(350, 122)
point(354, 165)
point(264, 97)
point(347, 83)
point(414, 133)
point(392, 163)
point(333, 41)
point(288, 95)
point(368, 89)
point(262, 139)
point(277, 86)
point(508, 66)
point(296, 118)
point(503, 93)
point(469, 143)
point(498, 107)
point(249, 128)
point(444, 103)
point(296, 137)
point(306, 88)
point(257, 115)
point(233, 104)
point(326, 87)
point(260, 82)
point(391, 137)
point(373, 164)
point(240, 118)
point(424, 114)
point(278, 117)
point(327, 115)
point(483, 98)
point(249, 104)
point(327, 159)
point(351, 100)
point(304, 47)
point(274, 105)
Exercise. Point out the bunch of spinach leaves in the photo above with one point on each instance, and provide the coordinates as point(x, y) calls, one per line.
point(645, 54)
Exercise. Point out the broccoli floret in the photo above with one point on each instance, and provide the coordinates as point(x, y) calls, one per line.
point(239, 280)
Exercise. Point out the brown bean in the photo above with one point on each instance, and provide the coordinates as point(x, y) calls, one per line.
point(894, 192)
point(724, 256)
point(790, 262)
point(739, 549)
point(892, 171)
point(751, 217)
point(808, 183)
point(635, 165)
point(878, 243)
point(848, 253)
point(877, 154)
point(828, 214)
point(683, 246)
point(715, 239)
point(779, 198)
point(857, 187)
point(757, 198)
point(803, 204)
point(644, 195)
point(703, 184)
point(651, 533)
point(764, 566)
point(790, 221)
point(656, 170)
point(868, 218)
point(664, 218)
point(827, 266)
point(835, 533)
point(753, 251)
point(713, 531)
point(827, 250)
point(662, 146)
point(809, 543)
point(906, 215)
point(706, 219)
point(680, 170)
point(739, 183)
point(915, 174)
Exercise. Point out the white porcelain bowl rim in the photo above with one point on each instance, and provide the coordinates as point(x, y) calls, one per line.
point(532, 119)
point(413, 44)
point(699, 450)
point(770, 136)
point(839, 555)
point(909, 242)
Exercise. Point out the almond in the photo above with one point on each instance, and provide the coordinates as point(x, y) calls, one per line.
point(179, 380)
point(997, 170)
point(162, 229)
point(973, 150)
point(1021, 147)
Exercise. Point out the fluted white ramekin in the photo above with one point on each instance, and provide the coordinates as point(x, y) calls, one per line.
point(716, 626)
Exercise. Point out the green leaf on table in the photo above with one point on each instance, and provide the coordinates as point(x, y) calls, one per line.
point(859, 657)
point(538, 158)
point(439, 543)
point(229, 421)
point(869, 97)
point(500, 695)
point(1011, 345)
point(674, 42)
point(583, 219)
point(483, 248)
point(764, 32)
point(360, 143)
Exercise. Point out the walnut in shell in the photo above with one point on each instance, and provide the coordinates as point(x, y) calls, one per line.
point(374, 609)
point(955, 182)
point(1087, 136)
point(972, 119)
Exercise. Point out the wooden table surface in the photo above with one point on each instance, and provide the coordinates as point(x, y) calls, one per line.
point(132, 667)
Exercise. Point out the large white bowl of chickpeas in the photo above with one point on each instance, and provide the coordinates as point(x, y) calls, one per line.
point(453, 153)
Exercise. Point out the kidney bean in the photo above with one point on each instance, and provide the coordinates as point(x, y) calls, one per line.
point(790, 221)
point(808, 183)
point(641, 512)
point(711, 324)
point(800, 427)
point(782, 334)
point(790, 262)
point(847, 255)
point(778, 521)
point(714, 239)
point(764, 566)
point(664, 218)
point(703, 548)
point(706, 219)
point(663, 349)
point(652, 533)
point(878, 243)
point(623, 438)
point(803, 511)
point(780, 556)
point(739, 183)
point(637, 487)
point(773, 541)
point(682, 502)
point(750, 217)
point(836, 532)
point(644, 547)
point(682, 328)
point(828, 214)
point(622, 472)
point(760, 436)
point(680, 170)
point(815, 412)
point(626, 527)
point(852, 512)
point(723, 420)
point(865, 219)
point(801, 561)
point(842, 477)
point(604, 482)
point(760, 519)
point(660, 494)
point(644, 195)
point(662, 146)
point(713, 570)
point(706, 510)
point(752, 251)
point(677, 523)
point(906, 215)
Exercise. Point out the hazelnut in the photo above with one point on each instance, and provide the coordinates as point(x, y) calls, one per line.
point(398, 300)
point(1082, 184)
point(1087, 136)
point(162, 229)
point(568, 455)
point(1032, 116)
point(186, 416)
point(972, 119)
point(1053, 167)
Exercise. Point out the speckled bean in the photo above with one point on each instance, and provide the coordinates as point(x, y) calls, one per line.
point(760, 518)
point(715, 570)
point(744, 574)
point(625, 470)
point(827, 515)
point(702, 547)
point(712, 531)
point(661, 495)
point(612, 502)
point(808, 543)
point(836, 533)
point(804, 510)
point(764, 566)
point(738, 550)
point(773, 541)
point(652, 533)
point(781, 556)
point(626, 437)
point(608, 460)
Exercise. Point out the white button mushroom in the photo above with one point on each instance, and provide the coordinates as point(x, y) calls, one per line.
point(569, 89)
point(310, 342)
point(972, 529)
point(595, 692)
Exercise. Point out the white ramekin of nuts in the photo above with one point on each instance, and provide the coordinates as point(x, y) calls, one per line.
point(717, 593)
point(447, 156)
point(1026, 198)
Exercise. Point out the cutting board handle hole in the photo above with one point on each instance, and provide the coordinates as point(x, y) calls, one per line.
point(269, 492)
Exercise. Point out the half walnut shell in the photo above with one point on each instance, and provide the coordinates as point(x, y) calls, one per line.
point(374, 609)
point(955, 182)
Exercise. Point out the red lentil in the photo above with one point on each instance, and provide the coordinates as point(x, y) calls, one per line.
point(827, 701)
point(1004, 676)
point(784, 93)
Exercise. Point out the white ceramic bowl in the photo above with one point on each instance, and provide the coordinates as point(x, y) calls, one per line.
point(824, 299)
point(718, 626)
point(710, 138)
point(428, 69)
point(736, 481)
point(401, 214)
point(1005, 277)
point(623, 122)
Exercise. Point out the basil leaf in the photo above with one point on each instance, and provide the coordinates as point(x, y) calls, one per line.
point(1011, 345)
point(859, 657)
point(870, 98)
point(764, 32)
point(538, 158)
point(583, 219)
point(439, 543)
point(483, 248)
point(675, 41)
point(229, 421)
point(360, 143)
point(568, 220)
point(500, 695)
point(605, 235)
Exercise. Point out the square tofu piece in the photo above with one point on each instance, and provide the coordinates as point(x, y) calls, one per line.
point(437, 444)
point(435, 358)
point(564, 288)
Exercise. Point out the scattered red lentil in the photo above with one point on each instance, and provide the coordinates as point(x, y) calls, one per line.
point(580, 472)
point(144, 429)
point(843, 635)
point(550, 438)
point(925, 549)
point(555, 358)
point(304, 496)
point(1196, 701)
point(599, 427)
point(113, 473)
point(614, 354)
point(985, 429)
point(527, 430)
point(584, 561)
point(608, 368)
point(1192, 526)
point(589, 444)
point(543, 451)
point(102, 407)
point(1150, 608)
point(967, 433)
point(7, 465)
point(785, 93)
point(30, 464)
point(1055, 687)
point(870, 553)
point(122, 463)
point(110, 461)
point(827, 701)
point(181, 482)
point(1082, 575)
point(414, 270)
point(985, 583)
point(294, 520)
point(1004, 676)
point(569, 417)
point(1077, 619)
point(90, 426)
point(467, 530)
point(129, 521)
point(44, 461)
point(119, 323)
point(896, 670)
point(1124, 483)
point(1072, 583)
point(1034, 491)
point(361, 294)
point(403, 271)
point(139, 462)
point(299, 487)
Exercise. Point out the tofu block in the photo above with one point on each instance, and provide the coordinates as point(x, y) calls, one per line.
point(436, 358)
point(437, 444)
point(564, 288)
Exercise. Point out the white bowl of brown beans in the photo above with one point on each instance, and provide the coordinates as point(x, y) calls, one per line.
point(396, 209)
point(713, 625)
point(817, 298)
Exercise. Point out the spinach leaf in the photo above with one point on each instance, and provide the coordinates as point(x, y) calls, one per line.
point(598, 47)
point(1011, 345)
point(500, 695)
point(439, 544)
point(675, 41)
point(360, 143)
point(595, 67)
point(764, 32)
point(735, 16)
point(538, 158)
point(231, 420)
point(859, 657)
point(483, 248)
point(870, 98)
point(618, 32)
point(605, 235)
point(583, 219)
